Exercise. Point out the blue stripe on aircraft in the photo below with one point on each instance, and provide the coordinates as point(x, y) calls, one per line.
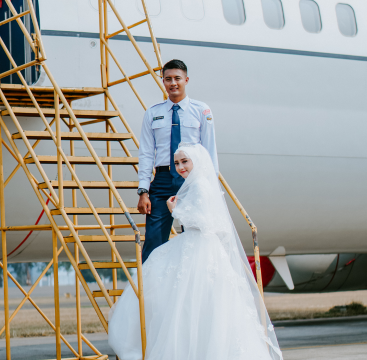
point(207, 44)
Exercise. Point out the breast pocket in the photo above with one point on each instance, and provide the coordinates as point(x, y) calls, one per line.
point(161, 130)
point(191, 123)
point(157, 124)
point(190, 131)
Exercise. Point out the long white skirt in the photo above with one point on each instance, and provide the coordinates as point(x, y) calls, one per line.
point(196, 307)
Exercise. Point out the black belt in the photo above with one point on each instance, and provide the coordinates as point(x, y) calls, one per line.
point(162, 169)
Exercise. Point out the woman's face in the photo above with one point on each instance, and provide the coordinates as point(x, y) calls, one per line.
point(183, 164)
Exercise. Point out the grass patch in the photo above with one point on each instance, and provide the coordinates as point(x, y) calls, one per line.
point(353, 309)
point(29, 323)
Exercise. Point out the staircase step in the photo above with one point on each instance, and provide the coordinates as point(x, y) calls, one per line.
point(107, 265)
point(50, 112)
point(111, 292)
point(102, 238)
point(88, 211)
point(86, 160)
point(45, 135)
point(16, 94)
point(92, 184)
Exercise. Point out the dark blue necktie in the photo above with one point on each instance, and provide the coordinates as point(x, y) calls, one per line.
point(175, 138)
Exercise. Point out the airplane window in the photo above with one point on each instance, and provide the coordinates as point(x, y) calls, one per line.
point(94, 5)
point(14, 40)
point(193, 9)
point(234, 11)
point(273, 13)
point(153, 6)
point(310, 14)
point(346, 19)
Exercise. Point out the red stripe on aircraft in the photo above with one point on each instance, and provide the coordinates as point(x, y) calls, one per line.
point(267, 268)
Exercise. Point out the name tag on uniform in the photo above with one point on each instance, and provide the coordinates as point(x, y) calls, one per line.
point(158, 118)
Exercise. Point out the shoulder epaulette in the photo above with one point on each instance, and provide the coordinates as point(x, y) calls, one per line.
point(160, 103)
point(199, 103)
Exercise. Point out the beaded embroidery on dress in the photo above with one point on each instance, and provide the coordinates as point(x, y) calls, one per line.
point(201, 299)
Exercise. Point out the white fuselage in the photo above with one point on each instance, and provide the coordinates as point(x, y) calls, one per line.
point(289, 110)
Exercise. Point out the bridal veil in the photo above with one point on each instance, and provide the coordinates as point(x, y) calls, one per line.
point(201, 205)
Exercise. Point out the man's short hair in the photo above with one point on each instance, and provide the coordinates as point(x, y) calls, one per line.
point(175, 64)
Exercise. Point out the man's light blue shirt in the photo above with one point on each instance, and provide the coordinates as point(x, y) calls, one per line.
point(197, 126)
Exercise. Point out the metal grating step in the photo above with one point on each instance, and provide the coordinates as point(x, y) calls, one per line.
point(45, 135)
point(68, 184)
point(88, 211)
point(102, 238)
point(117, 292)
point(107, 265)
point(50, 112)
point(17, 94)
point(86, 160)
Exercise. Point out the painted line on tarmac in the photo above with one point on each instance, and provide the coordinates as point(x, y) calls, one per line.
point(321, 346)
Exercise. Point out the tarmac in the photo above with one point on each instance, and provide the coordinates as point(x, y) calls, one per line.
point(326, 339)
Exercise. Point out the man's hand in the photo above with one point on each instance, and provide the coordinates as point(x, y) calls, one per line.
point(171, 203)
point(144, 205)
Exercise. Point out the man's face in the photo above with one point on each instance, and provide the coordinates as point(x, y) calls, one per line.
point(175, 81)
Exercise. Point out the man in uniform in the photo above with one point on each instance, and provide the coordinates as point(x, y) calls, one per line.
point(165, 125)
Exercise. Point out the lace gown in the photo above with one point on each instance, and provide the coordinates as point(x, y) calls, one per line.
point(199, 302)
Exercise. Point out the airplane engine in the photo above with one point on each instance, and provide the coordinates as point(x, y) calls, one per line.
point(318, 273)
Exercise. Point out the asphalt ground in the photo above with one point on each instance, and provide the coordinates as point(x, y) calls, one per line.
point(326, 339)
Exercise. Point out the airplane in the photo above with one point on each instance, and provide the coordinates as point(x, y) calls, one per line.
point(286, 81)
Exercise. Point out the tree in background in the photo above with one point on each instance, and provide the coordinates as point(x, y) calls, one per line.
point(22, 272)
point(62, 265)
point(105, 274)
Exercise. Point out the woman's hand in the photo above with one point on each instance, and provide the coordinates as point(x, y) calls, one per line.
point(171, 203)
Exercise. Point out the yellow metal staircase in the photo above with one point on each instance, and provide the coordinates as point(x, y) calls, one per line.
point(58, 194)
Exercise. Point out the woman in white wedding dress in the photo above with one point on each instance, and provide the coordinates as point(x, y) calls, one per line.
point(201, 299)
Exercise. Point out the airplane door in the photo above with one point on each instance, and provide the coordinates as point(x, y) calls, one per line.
point(16, 43)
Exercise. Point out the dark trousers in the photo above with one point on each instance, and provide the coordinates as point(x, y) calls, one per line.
point(159, 222)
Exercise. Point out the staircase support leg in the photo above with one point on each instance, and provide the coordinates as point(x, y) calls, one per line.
point(76, 255)
point(59, 158)
point(77, 303)
point(56, 294)
point(4, 252)
point(110, 200)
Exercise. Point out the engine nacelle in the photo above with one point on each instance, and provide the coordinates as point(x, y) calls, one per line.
point(317, 273)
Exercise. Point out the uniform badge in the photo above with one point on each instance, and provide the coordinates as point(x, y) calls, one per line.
point(206, 112)
point(158, 118)
point(209, 118)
